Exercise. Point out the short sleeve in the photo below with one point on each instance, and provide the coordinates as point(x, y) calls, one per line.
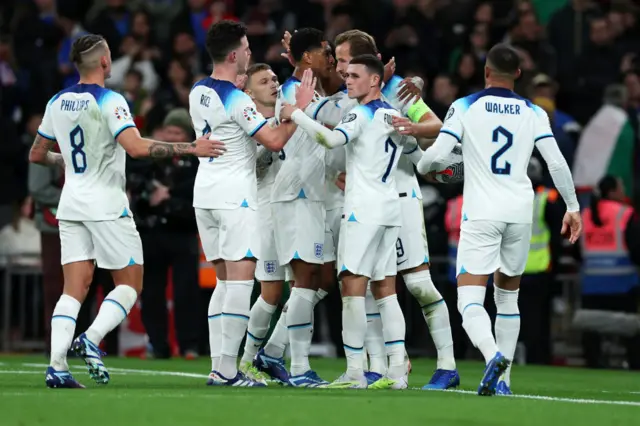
point(245, 113)
point(116, 112)
point(453, 121)
point(46, 127)
point(352, 124)
point(542, 128)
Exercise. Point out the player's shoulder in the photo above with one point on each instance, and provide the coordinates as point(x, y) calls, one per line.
point(391, 87)
point(377, 107)
point(102, 95)
point(288, 88)
point(225, 90)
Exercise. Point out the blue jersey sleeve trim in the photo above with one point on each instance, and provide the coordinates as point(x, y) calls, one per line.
point(315, 113)
point(345, 135)
point(539, 138)
point(122, 129)
point(44, 135)
point(450, 133)
point(260, 126)
point(412, 151)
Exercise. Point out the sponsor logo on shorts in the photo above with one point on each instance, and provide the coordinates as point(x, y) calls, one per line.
point(270, 267)
point(318, 249)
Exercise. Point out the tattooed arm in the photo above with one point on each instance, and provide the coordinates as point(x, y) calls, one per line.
point(41, 152)
point(137, 146)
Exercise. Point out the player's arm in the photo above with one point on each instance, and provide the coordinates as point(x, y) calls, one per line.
point(450, 134)
point(322, 135)
point(40, 152)
point(559, 170)
point(138, 147)
point(326, 111)
point(335, 164)
point(419, 122)
point(274, 138)
point(412, 149)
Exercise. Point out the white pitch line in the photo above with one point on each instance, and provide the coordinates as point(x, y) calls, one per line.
point(466, 392)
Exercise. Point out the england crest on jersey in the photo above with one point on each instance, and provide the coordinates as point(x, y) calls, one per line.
point(318, 250)
point(270, 267)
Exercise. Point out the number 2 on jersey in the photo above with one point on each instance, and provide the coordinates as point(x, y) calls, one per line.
point(506, 170)
point(78, 156)
point(207, 129)
point(389, 146)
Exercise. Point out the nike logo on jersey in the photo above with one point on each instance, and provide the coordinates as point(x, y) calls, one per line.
point(400, 263)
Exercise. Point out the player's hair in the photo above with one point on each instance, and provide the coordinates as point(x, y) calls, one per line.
point(256, 68)
point(305, 40)
point(372, 63)
point(223, 38)
point(360, 43)
point(504, 60)
point(606, 186)
point(85, 51)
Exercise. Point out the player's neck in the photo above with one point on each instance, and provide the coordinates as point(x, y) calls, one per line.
point(93, 78)
point(297, 73)
point(267, 111)
point(499, 84)
point(226, 72)
point(373, 95)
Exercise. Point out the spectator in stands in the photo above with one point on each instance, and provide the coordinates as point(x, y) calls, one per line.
point(114, 24)
point(527, 35)
point(468, 74)
point(136, 56)
point(20, 239)
point(162, 200)
point(543, 86)
point(72, 31)
point(192, 20)
point(444, 92)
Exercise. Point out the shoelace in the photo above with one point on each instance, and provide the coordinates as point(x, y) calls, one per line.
point(437, 377)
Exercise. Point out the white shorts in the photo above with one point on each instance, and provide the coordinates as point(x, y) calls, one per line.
point(486, 246)
point(114, 244)
point(229, 234)
point(331, 234)
point(368, 250)
point(412, 248)
point(268, 268)
point(299, 230)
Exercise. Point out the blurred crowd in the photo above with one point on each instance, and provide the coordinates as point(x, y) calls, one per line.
point(580, 63)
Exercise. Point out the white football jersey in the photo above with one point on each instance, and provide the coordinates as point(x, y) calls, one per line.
point(302, 173)
point(229, 181)
point(498, 130)
point(267, 176)
point(373, 149)
point(85, 120)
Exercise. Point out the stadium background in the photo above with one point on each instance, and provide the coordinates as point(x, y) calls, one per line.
point(579, 64)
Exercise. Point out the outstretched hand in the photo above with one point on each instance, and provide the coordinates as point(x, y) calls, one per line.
point(306, 90)
point(286, 43)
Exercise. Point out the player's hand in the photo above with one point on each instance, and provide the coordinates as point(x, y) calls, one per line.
point(306, 90)
point(410, 89)
point(341, 181)
point(286, 43)
point(208, 148)
point(402, 125)
point(572, 226)
point(286, 111)
point(389, 69)
point(241, 80)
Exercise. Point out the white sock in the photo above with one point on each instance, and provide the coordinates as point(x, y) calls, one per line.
point(114, 309)
point(436, 314)
point(507, 324)
point(259, 320)
point(354, 327)
point(235, 316)
point(475, 320)
point(215, 323)
point(374, 337)
point(394, 330)
point(300, 326)
point(279, 339)
point(63, 326)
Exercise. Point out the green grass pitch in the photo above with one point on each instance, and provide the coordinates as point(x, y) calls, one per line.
point(173, 393)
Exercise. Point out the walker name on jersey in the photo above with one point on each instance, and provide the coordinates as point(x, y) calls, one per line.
point(74, 106)
point(497, 108)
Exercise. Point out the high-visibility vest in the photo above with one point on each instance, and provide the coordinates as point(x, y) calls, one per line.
point(606, 266)
point(453, 218)
point(539, 252)
point(207, 271)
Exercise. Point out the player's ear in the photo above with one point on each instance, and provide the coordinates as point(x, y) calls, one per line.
point(487, 72)
point(232, 56)
point(518, 73)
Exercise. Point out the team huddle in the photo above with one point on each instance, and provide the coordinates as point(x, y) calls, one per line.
point(311, 178)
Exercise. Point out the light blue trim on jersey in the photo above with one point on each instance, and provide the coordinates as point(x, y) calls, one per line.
point(258, 127)
point(344, 133)
point(373, 106)
point(450, 133)
point(122, 129)
point(228, 93)
point(244, 203)
point(99, 93)
point(249, 254)
point(44, 135)
point(539, 138)
point(391, 87)
point(296, 255)
point(352, 218)
point(131, 261)
point(125, 213)
point(301, 194)
point(289, 89)
point(539, 111)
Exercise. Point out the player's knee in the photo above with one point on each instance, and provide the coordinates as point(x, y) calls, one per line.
point(271, 291)
point(421, 286)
